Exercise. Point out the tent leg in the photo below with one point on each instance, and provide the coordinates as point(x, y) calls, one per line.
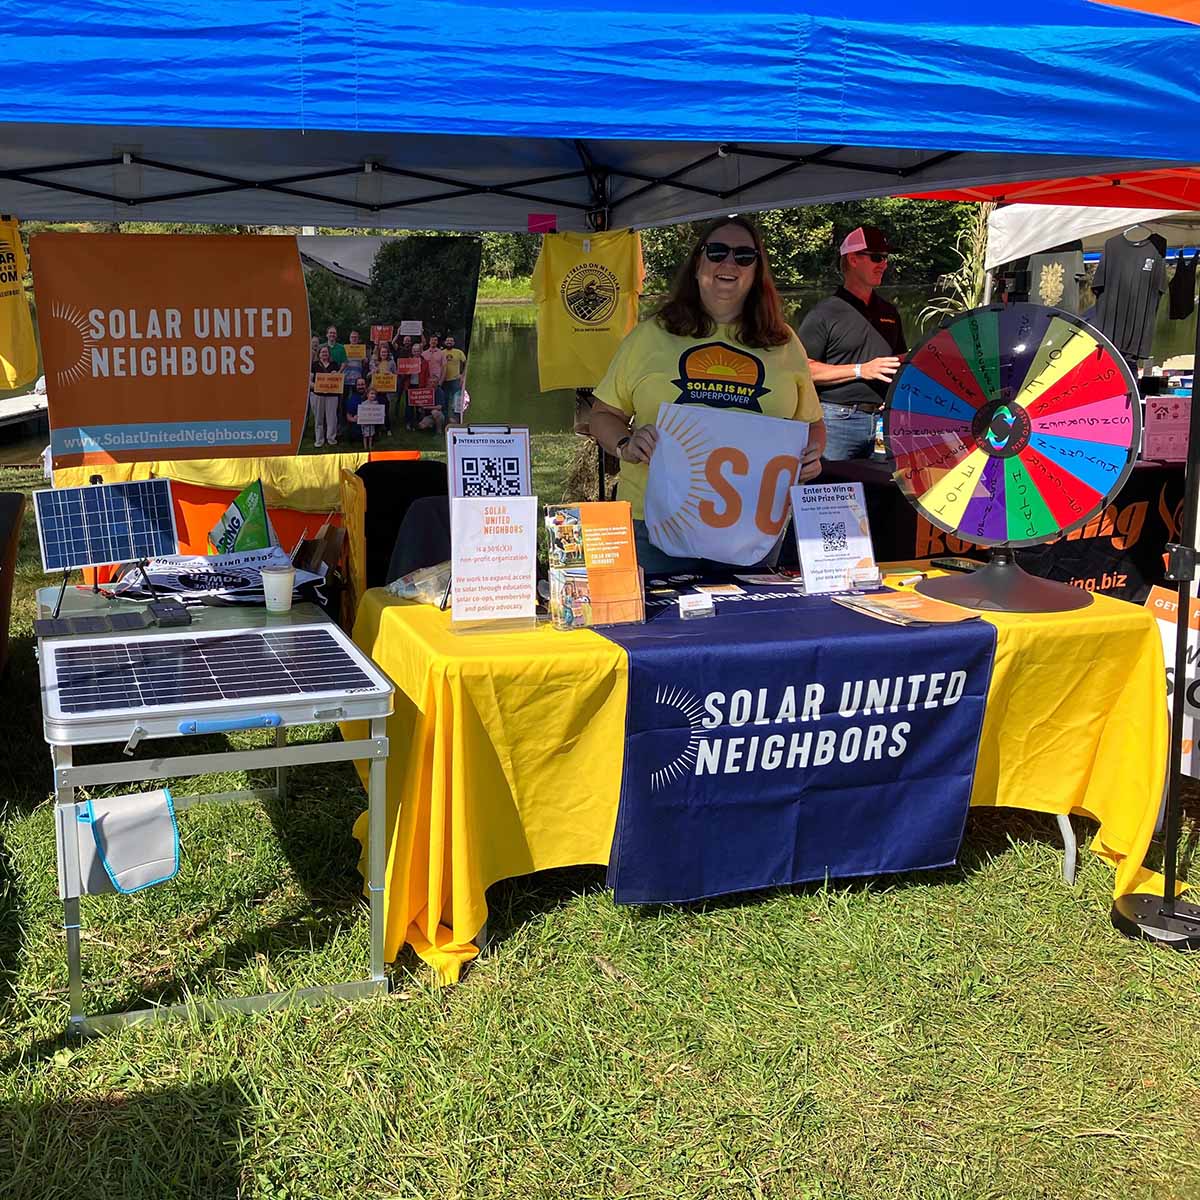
point(1166, 919)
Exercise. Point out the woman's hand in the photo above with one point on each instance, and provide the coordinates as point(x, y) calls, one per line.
point(641, 445)
point(810, 460)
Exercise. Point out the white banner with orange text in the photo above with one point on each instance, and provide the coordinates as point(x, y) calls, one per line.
point(718, 482)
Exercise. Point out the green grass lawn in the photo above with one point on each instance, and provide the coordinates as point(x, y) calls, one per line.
point(976, 1032)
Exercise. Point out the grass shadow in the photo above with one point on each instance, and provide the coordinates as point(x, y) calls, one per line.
point(174, 1142)
point(989, 833)
point(12, 930)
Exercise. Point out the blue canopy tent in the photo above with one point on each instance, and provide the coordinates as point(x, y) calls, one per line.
point(626, 112)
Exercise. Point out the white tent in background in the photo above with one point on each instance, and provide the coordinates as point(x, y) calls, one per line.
point(1018, 230)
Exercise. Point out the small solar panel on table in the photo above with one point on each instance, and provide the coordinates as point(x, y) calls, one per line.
point(105, 523)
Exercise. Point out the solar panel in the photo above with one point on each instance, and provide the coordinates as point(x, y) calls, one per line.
point(105, 523)
point(180, 671)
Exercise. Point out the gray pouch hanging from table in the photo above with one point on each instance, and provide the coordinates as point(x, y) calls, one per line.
point(125, 844)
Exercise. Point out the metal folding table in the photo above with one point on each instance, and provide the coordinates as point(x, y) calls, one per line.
point(285, 671)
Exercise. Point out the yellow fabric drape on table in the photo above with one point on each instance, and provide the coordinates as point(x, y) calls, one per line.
point(1076, 721)
point(304, 482)
point(505, 759)
point(506, 750)
point(354, 521)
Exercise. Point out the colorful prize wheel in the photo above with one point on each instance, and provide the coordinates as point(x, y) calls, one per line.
point(1011, 426)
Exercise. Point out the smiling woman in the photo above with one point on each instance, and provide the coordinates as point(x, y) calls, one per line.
point(720, 341)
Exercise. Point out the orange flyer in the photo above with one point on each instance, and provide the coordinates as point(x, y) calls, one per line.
point(594, 578)
point(905, 608)
point(328, 383)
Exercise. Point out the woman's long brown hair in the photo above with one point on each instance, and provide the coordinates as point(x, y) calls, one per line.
point(761, 323)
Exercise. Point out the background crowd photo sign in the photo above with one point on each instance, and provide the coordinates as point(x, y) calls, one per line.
point(171, 346)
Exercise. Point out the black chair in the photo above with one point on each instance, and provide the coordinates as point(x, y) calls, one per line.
point(424, 537)
point(392, 486)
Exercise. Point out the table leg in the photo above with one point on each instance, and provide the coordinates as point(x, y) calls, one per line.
point(281, 773)
point(61, 757)
point(376, 838)
point(1070, 849)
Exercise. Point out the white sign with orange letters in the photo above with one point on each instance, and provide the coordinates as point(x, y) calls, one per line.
point(1164, 604)
point(719, 480)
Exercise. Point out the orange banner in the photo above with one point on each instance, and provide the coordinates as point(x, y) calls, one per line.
point(328, 383)
point(171, 346)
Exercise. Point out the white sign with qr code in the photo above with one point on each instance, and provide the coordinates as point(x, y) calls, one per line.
point(833, 537)
point(488, 460)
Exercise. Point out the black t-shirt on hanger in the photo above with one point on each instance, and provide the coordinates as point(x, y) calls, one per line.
point(1129, 283)
point(1183, 287)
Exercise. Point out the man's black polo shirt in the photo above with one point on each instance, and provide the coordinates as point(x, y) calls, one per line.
point(842, 329)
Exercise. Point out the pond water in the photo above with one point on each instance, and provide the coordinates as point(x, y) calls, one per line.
point(503, 377)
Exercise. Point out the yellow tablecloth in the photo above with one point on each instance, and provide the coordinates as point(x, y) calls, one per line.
point(506, 750)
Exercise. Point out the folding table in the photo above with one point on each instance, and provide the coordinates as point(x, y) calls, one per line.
point(233, 668)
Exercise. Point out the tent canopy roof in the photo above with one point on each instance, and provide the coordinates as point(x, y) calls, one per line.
point(278, 112)
point(1172, 189)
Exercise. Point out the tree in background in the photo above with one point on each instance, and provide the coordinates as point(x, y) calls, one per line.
point(509, 256)
point(803, 241)
point(331, 301)
point(432, 279)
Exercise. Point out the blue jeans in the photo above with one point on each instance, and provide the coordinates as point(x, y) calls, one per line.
point(654, 561)
point(849, 433)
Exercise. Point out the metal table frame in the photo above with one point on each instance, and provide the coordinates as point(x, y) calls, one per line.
point(68, 778)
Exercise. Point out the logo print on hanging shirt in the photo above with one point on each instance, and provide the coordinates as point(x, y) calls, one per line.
point(720, 376)
point(590, 293)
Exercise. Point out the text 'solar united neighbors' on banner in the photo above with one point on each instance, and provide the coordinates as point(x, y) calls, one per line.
point(183, 346)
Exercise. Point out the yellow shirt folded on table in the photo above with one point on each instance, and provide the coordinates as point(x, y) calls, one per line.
point(655, 367)
point(18, 347)
point(586, 286)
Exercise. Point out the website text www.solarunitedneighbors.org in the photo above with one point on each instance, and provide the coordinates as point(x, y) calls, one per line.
point(166, 437)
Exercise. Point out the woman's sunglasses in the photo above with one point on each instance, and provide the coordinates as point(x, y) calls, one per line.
point(744, 256)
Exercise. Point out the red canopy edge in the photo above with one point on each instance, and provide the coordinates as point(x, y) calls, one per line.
point(1172, 189)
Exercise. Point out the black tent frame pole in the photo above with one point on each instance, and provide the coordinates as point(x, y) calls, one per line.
point(1166, 919)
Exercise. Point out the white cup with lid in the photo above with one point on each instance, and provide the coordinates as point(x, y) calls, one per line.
point(278, 583)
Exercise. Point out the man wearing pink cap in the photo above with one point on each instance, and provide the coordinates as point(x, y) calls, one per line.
point(853, 340)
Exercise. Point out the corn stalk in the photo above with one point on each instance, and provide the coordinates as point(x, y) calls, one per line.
point(963, 288)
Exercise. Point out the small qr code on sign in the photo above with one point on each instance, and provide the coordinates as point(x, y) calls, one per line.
point(833, 535)
point(482, 476)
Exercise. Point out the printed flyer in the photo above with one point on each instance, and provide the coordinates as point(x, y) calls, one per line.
point(1164, 604)
point(494, 559)
point(489, 461)
point(833, 537)
point(594, 577)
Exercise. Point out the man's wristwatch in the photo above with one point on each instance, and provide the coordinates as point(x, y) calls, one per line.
point(858, 370)
point(621, 445)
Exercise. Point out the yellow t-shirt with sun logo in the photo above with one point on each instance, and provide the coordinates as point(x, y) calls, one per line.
point(654, 367)
point(586, 286)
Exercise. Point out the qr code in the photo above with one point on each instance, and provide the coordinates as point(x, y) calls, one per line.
point(833, 535)
point(491, 476)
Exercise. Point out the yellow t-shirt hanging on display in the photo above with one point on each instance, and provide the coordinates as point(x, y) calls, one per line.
point(586, 286)
point(18, 349)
